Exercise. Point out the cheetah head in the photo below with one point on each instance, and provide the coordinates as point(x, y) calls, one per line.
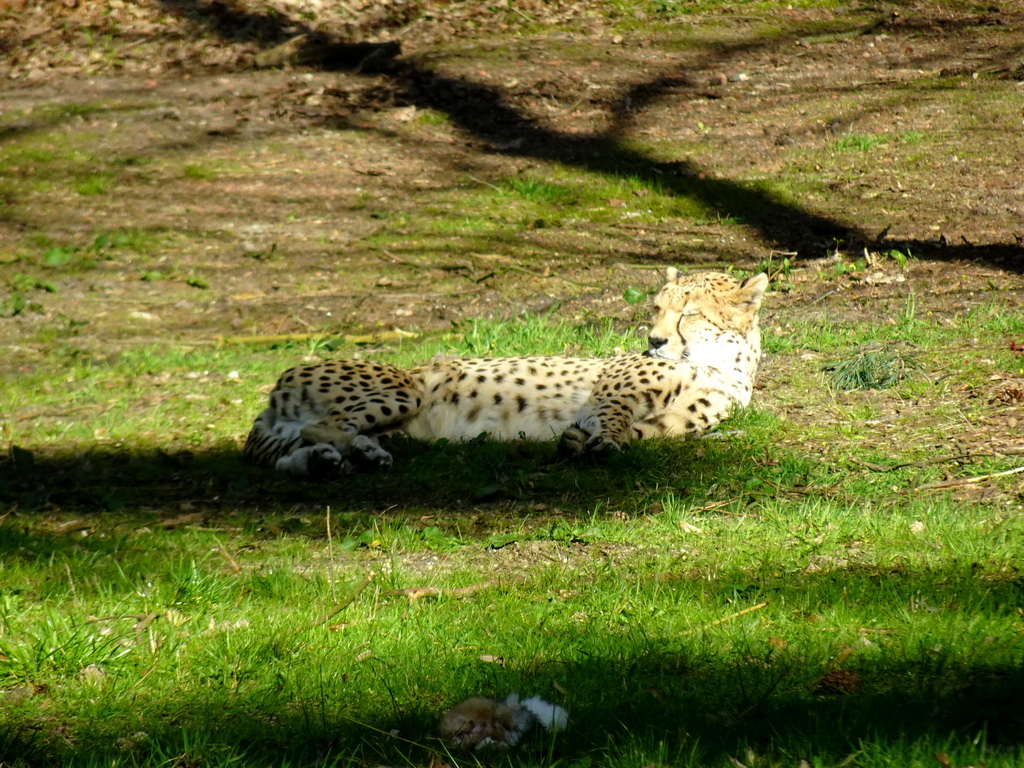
point(698, 315)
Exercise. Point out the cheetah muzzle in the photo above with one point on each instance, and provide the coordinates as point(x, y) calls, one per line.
point(324, 420)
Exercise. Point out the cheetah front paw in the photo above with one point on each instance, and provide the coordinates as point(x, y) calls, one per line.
point(588, 436)
point(572, 443)
point(576, 437)
point(604, 444)
point(576, 441)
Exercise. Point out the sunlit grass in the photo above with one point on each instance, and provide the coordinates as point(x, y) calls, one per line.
point(753, 606)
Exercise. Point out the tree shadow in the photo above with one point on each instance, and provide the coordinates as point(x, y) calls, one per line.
point(484, 113)
point(481, 111)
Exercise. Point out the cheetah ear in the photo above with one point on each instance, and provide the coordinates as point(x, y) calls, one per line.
point(672, 274)
point(751, 290)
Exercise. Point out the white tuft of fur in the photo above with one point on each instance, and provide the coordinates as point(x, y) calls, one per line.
point(548, 715)
point(522, 717)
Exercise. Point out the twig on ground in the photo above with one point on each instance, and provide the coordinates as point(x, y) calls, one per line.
point(345, 603)
point(653, 228)
point(390, 258)
point(825, 296)
point(62, 411)
point(142, 679)
point(486, 184)
point(376, 292)
point(724, 619)
point(508, 264)
point(936, 460)
point(780, 489)
point(330, 557)
point(956, 482)
point(144, 622)
point(227, 556)
point(116, 617)
point(861, 630)
point(278, 338)
point(389, 734)
point(188, 518)
point(713, 506)
point(71, 581)
point(639, 267)
point(415, 593)
point(772, 276)
point(858, 31)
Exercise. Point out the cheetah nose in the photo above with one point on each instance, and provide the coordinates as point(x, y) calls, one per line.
point(656, 342)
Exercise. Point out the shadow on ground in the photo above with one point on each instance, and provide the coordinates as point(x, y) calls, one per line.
point(483, 112)
point(695, 699)
point(450, 476)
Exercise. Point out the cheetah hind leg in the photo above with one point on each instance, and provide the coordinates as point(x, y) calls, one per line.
point(321, 461)
point(325, 461)
point(332, 451)
point(365, 451)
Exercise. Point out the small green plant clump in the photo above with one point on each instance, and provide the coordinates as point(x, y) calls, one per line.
point(874, 368)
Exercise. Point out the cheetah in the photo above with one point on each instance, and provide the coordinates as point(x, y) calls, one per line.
point(703, 351)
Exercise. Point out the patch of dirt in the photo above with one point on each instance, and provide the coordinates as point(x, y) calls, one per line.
point(318, 159)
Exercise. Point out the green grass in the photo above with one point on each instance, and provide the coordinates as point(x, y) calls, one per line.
point(536, 190)
point(691, 603)
point(51, 159)
point(217, 656)
point(201, 172)
point(94, 183)
point(49, 260)
point(858, 142)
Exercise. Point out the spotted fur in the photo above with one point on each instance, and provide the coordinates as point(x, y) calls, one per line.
point(702, 355)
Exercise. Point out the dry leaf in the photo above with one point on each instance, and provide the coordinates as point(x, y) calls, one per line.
point(71, 526)
point(187, 519)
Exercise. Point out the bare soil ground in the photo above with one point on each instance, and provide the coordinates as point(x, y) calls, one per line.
point(291, 200)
